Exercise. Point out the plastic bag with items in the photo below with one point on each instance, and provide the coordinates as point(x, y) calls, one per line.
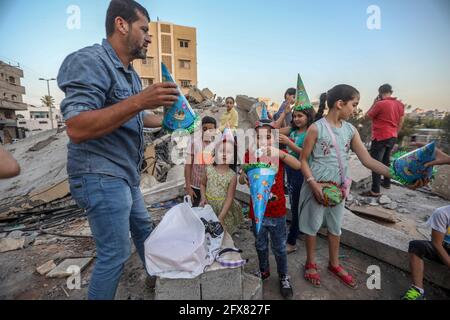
point(185, 242)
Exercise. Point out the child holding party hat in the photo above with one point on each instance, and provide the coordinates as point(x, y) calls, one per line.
point(324, 163)
point(293, 137)
point(219, 182)
point(273, 222)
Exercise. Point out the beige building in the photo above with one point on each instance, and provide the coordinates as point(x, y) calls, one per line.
point(10, 101)
point(176, 47)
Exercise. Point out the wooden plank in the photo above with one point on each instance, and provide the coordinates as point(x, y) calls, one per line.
point(374, 212)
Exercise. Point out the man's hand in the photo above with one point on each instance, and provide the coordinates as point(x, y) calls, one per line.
point(160, 94)
point(8, 165)
point(441, 157)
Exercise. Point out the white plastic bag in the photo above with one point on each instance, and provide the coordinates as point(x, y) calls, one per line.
point(178, 248)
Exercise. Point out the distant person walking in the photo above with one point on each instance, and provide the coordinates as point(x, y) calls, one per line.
point(387, 114)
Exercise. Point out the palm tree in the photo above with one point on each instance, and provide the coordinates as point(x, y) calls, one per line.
point(48, 101)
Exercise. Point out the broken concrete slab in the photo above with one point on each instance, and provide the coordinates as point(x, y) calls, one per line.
point(164, 192)
point(388, 245)
point(195, 95)
point(11, 244)
point(179, 289)
point(253, 287)
point(360, 175)
point(245, 103)
point(441, 183)
point(375, 212)
point(207, 94)
point(17, 234)
point(384, 200)
point(63, 270)
point(46, 267)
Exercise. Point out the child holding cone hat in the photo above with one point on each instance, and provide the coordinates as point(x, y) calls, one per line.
point(272, 220)
point(293, 137)
point(324, 162)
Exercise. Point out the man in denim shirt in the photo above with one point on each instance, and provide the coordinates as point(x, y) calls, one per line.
point(104, 110)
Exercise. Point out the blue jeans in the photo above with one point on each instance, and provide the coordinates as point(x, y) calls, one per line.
point(295, 181)
point(113, 209)
point(276, 228)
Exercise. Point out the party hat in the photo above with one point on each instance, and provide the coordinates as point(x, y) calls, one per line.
point(180, 115)
point(410, 167)
point(261, 178)
point(301, 100)
point(228, 135)
point(264, 117)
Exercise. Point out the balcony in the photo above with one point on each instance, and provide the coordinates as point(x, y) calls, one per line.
point(13, 88)
point(8, 122)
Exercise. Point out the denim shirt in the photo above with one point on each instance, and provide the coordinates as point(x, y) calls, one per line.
point(95, 78)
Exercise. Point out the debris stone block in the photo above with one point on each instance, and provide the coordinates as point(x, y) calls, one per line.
point(195, 95)
point(207, 94)
point(46, 267)
point(63, 270)
point(10, 244)
point(178, 289)
point(225, 284)
point(252, 287)
point(245, 103)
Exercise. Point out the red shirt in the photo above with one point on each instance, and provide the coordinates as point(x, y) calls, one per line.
point(275, 208)
point(386, 115)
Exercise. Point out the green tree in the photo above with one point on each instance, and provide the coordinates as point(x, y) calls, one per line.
point(407, 129)
point(48, 101)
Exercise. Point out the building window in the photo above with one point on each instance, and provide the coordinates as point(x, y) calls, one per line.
point(43, 122)
point(147, 82)
point(14, 97)
point(185, 83)
point(12, 80)
point(166, 44)
point(165, 28)
point(148, 61)
point(184, 43)
point(185, 64)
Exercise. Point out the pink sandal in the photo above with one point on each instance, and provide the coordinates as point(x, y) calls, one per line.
point(347, 280)
point(310, 277)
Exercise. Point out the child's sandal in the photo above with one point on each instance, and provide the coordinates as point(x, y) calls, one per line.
point(348, 280)
point(312, 278)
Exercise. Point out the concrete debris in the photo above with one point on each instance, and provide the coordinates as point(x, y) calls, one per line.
point(11, 244)
point(403, 211)
point(15, 234)
point(391, 206)
point(68, 267)
point(208, 94)
point(384, 200)
point(46, 267)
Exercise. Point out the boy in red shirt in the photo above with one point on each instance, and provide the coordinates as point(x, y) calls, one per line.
point(274, 222)
point(387, 116)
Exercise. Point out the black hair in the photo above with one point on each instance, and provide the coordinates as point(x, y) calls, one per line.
point(342, 92)
point(309, 113)
point(385, 88)
point(231, 99)
point(209, 120)
point(290, 92)
point(126, 9)
point(233, 166)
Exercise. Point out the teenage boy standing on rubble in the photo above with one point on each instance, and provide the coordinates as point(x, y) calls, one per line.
point(105, 113)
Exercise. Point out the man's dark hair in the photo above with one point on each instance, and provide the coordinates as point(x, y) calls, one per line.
point(209, 120)
point(290, 92)
point(385, 88)
point(126, 9)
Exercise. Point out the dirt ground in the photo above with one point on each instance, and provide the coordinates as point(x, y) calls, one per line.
point(19, 279)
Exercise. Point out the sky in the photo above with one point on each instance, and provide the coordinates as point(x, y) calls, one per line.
point(256, 47)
